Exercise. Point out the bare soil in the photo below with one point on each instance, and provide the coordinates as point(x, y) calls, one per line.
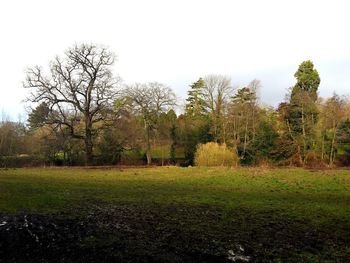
point(172, 233)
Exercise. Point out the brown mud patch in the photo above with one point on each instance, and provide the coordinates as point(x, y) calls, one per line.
point(152, 233)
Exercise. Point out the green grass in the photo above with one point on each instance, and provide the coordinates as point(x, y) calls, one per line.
point(163, 151)
point(297, 193)
point(279, 215)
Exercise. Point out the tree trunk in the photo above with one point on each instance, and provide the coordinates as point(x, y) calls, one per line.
point(162, 157)
point(245, 136)
point(289, 130)
point(148, 148)
point(88, 142)
point(331, 155)
point(235, 132)
point(215, 119)
point(304, 132)
point(253, 123)
point(322, 152)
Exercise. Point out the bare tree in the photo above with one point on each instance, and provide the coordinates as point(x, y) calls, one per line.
point(333, 112)
point(79, 89)
point(254, 87)
point(217, 90)
point(242, 116)
point(149, 101)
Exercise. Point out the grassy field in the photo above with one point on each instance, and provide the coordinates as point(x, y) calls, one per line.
point(281, 215)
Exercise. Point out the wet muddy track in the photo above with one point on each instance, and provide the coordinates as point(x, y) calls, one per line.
point(136, 233)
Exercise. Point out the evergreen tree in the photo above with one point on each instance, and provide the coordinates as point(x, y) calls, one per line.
point(196, 105)
point(307, 79)
point(243, 119)
point(196, 121)
point(38, 116)
point(264, 146)
point(302, 114)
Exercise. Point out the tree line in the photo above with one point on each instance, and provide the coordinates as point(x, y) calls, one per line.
point(82, 113)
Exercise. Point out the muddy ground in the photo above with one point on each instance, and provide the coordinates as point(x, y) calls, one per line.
point(136, 233)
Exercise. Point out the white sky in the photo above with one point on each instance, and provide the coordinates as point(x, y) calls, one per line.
point(176, 42)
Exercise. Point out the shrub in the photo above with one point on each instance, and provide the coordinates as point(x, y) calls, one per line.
point(214, 154)
point(343, 160)
point(295, 160)
point(313, 160)
point(264, 163)
point(21, 161)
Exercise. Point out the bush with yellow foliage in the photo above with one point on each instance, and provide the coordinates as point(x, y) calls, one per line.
point(214, 154)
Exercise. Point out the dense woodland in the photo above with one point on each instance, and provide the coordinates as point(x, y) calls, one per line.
point(82, 113)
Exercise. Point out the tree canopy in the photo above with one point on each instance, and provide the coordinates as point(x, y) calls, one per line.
point(81, 113)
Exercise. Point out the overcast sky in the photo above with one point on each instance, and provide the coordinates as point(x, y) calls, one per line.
point(176, 42)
